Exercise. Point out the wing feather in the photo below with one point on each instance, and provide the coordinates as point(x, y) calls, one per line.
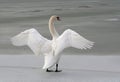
point(71, 38)
point(37, 43)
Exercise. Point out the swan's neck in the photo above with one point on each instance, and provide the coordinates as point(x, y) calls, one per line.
point(52, 29)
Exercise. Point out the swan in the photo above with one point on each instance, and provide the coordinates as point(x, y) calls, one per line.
point(51, 49)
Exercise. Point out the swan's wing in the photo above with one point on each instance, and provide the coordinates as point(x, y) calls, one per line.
point(34, 40)
point(71, 38)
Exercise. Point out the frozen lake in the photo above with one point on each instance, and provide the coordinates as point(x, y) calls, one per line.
point(81, 68)
point(97, 20)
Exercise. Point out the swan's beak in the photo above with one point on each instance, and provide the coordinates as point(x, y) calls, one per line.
point(58, 18)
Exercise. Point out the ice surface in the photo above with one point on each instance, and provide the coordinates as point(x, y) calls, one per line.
point(27, 68)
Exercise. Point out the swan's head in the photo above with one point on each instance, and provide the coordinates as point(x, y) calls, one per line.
point(54, 17)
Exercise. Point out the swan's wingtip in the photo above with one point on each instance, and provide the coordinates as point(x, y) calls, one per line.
point(13, 41)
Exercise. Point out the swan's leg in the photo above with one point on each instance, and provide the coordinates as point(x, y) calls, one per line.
point(57, 69)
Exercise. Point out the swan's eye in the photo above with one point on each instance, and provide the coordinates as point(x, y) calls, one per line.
point(58, 18)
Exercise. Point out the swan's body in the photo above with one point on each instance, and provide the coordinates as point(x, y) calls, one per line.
point(51, 48)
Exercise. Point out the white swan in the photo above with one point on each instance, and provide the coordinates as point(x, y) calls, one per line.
point(51, 48)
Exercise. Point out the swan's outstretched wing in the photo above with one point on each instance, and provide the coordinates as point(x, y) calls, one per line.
point(34, 40)
point(71, 38)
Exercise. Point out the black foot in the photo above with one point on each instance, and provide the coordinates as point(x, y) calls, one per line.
point(49, 70)
point(58, 70)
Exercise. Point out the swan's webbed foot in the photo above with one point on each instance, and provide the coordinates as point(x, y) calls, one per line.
point(49, 70)
point(55, 70)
